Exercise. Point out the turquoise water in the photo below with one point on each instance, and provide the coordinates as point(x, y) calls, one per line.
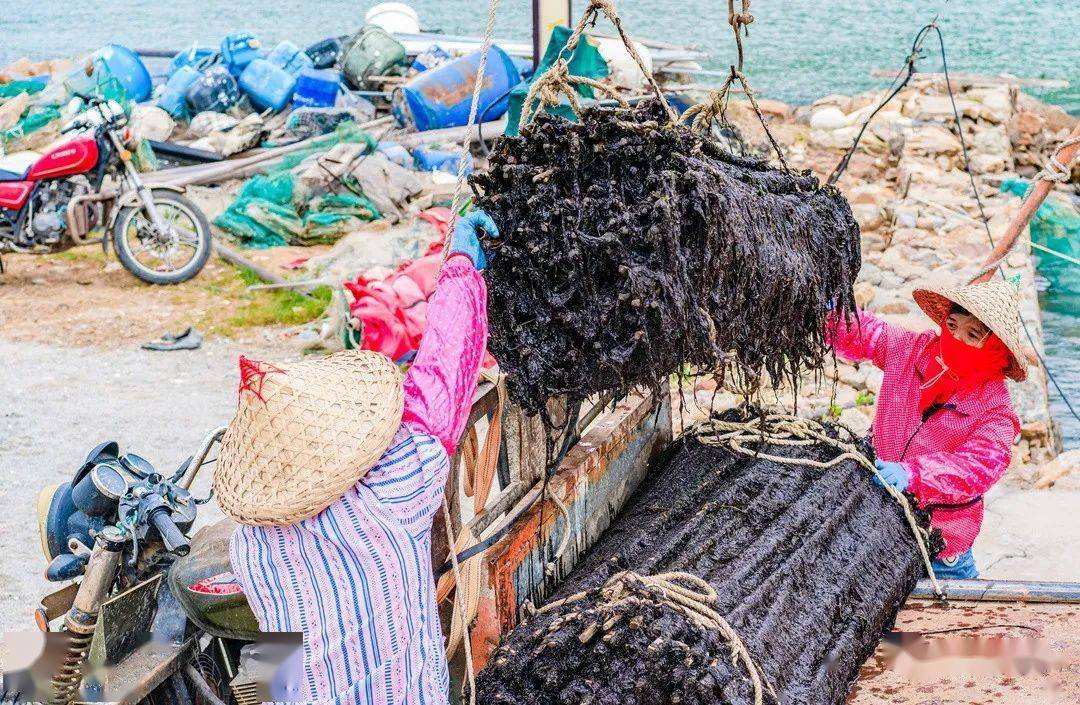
point(798, 50)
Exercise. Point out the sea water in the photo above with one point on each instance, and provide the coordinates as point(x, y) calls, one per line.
point(797, 50)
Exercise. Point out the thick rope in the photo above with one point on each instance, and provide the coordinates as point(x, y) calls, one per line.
point(558, 80)
point(459, 600)
point(465, 156)
point(787, 430)
point(696, 602)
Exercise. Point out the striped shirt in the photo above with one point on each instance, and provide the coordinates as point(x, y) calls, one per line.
point(356, 578)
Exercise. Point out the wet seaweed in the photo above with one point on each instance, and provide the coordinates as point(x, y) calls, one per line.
point(628, 249)
point(811, 567)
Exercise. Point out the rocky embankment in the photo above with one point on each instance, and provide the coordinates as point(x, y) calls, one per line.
point(920, 221)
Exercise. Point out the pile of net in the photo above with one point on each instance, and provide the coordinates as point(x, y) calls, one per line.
point(809, 568)
point(628, 249)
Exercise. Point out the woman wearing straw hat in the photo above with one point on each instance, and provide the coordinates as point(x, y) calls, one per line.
point(335, 468)
point(944, 424)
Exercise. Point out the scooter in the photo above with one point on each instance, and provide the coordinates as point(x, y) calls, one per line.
point(155, 617)
point(89, 181)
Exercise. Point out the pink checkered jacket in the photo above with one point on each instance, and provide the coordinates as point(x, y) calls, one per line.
point(955, 454)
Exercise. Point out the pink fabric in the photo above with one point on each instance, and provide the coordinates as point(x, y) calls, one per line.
point(959, 453)
point(441, 382)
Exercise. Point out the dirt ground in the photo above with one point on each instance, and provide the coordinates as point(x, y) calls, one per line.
point(73, 375)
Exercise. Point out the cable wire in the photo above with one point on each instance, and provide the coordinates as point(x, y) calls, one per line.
point(986, 223)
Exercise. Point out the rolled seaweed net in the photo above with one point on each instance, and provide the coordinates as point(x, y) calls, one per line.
point(631, 247)
point(809, 568)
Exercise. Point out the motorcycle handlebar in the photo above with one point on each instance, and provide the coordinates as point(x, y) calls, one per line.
point(175, 541)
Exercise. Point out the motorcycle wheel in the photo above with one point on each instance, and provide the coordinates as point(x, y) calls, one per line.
point(161, 260)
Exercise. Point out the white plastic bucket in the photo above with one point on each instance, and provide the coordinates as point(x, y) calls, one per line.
point(394, 17)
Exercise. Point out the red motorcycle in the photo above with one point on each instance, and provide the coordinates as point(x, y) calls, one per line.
point(90, 182)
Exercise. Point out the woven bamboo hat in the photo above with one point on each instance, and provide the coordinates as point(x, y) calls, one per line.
point(996, 303)
point(304, 434)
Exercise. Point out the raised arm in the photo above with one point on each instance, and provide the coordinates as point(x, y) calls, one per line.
point(863, 337)
point(440, 384)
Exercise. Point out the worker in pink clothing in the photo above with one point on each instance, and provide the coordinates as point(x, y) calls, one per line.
point(356, 577)
point(944, 423)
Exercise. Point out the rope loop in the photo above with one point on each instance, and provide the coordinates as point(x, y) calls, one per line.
point(1056, 171)
point(714, 108)
point(558, 80)
point(788, 430)
point(686, 593)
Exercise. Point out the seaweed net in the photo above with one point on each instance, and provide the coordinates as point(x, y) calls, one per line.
point(809, 568)
point(630, 247)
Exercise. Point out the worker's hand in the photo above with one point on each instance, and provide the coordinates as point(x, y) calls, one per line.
point(894, 474)
point(466, 239)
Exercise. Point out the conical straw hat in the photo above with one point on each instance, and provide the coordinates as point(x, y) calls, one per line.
point(996, 303)
point(304, 434)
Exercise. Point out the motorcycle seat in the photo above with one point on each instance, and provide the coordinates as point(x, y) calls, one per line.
point(6, 175)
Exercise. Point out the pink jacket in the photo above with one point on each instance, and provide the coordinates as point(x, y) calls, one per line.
point(954, 456)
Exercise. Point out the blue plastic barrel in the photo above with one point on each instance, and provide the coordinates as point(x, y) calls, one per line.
point(288, 56)
point(238, 50)
point(173, 98)
point(316, 88)
point(127, 68)
point(440, 97)
point(188, 57)
point(215, 89)
point(267, 85)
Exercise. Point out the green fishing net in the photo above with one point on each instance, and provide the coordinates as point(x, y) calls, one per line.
point(1055, 227)
point(269, 211)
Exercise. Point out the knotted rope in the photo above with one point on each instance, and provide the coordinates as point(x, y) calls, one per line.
point(1055, 170)
point(702, 115)
point(697, 603)
point(558, 80)
point(787, 430)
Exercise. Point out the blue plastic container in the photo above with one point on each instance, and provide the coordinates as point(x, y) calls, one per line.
point(440, 97)
point(439, 160)
point(126, 67)
point(268, 86)
point(288, 56)
point(173, 99)
point(316, 88)
point(215, 89)
point(189, 57)
point(238, 50)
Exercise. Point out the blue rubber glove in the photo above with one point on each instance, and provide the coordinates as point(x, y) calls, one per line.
point(465, 240)
point(895, 474)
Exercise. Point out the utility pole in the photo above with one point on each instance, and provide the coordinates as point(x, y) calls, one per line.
point(546, 15)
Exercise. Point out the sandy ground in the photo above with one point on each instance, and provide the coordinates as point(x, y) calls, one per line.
point(60, 402)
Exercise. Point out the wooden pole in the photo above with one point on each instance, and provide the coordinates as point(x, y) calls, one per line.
point(1035, 197)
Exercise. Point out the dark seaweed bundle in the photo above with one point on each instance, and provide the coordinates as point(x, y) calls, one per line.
point(810, 567)
point(628, 249)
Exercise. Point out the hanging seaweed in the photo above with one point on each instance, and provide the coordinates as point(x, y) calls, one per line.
point(809, 568)
point(629, 248)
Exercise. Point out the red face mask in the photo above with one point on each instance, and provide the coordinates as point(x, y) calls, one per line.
point(957, 366)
